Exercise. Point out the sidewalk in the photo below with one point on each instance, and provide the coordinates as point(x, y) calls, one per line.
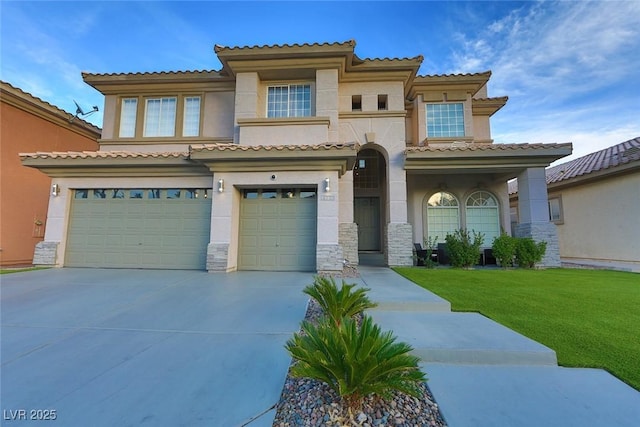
point(484, 374)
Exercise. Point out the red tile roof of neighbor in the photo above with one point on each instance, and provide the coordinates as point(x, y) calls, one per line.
point(608, 159)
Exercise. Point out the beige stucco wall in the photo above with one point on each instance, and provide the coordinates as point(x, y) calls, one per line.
point(421, 187)
point(58, 214)
point(109, 117)
point(601, 220)
point(369, 92)
point(289, 134)
point(218, 115)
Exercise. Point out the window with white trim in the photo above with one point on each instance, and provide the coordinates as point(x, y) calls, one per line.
point(445, 120)
point(128, 113)
point(289, 100)
point(443, 216)
point(483, 215)
point(555, 210)
point(160, 117)
point(191, 121)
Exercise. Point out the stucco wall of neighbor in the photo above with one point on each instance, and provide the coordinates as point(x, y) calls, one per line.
point(601, 220)
point(60, 206)
point(24, 191)
point(226, 206)
point(422, 186)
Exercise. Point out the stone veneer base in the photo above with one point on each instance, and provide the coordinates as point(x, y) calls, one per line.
point(45, 253)
point(348, 239)
point(217, 257)
point(543, 231)
point(399, 240)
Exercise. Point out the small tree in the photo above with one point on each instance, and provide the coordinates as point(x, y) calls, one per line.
point(529, 253)
point(338, 303)
point(504, 249)
point(464, 247)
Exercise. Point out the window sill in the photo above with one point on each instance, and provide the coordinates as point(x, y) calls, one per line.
point(284, 121)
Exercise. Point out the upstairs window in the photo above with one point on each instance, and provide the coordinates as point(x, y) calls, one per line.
point(191, 125)
point(128, 117)
point(289, 101)
point(382, 102)
point(445, 120)
point(160, 117)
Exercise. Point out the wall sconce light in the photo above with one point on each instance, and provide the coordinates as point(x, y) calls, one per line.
point(220, 185)
point(327, 186)
point(55, 190)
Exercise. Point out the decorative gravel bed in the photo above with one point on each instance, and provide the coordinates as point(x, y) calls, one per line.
point(307, 402)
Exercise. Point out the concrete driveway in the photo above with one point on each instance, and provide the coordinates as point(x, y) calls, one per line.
point(145, 347)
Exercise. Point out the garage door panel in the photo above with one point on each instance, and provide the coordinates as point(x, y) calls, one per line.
point(277, 233)
point(138, 233)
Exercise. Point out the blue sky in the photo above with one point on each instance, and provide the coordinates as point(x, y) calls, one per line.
point(571, 69)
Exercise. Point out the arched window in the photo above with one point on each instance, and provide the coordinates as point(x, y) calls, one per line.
point(443, 216)
point(483, 215)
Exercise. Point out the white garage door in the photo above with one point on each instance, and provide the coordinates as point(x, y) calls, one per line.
point(278, 230)
point(139, 228)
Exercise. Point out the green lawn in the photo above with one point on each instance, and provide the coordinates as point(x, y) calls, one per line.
point(20, 270)
point(591, 318)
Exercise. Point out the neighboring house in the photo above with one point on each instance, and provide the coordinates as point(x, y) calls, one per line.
point(595, 202)
point(291, 157)
point(28, 123)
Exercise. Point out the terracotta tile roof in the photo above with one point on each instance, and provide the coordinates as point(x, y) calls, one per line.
point(462, 146)
point(219, 48)
point(100, 155)
point(481, 74)
point(154, 73)
point(609, 158)
point(291, 147)
point(5, 86)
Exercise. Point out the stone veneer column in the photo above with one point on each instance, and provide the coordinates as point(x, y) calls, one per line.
point(45, 253)
point(217, 257)
point(348, 239)
point(399, 243)
point(533, 214)
point(329, 259)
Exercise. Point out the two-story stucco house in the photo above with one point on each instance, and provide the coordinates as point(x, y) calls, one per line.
point(290, 157)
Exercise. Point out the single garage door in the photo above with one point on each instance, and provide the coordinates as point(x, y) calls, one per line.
point(278, 230)
point(139, 228)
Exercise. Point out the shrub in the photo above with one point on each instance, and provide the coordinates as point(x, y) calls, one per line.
point(504, 249)
point(529, 253)
point(355, 362)
point(338, 303)
point(464, 247)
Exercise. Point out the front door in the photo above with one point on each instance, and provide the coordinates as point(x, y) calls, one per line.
point(367, 215)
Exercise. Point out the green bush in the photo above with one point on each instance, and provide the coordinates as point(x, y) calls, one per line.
point(355, 362)
point(504, 249)
point(529, 253)
point(338, 303)
point(463, 247)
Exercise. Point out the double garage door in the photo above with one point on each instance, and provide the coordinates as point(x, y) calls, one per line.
point(278, 229)
point(139, 228)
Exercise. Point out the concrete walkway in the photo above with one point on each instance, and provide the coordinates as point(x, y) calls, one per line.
point(484, 374)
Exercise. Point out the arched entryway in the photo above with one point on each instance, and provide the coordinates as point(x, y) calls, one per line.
point(369, 191)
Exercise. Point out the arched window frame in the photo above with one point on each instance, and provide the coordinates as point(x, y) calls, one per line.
point(442, 218)
point(482, 214)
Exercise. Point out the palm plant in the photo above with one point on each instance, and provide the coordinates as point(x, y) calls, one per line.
point(338, 303)
point(355, 361)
